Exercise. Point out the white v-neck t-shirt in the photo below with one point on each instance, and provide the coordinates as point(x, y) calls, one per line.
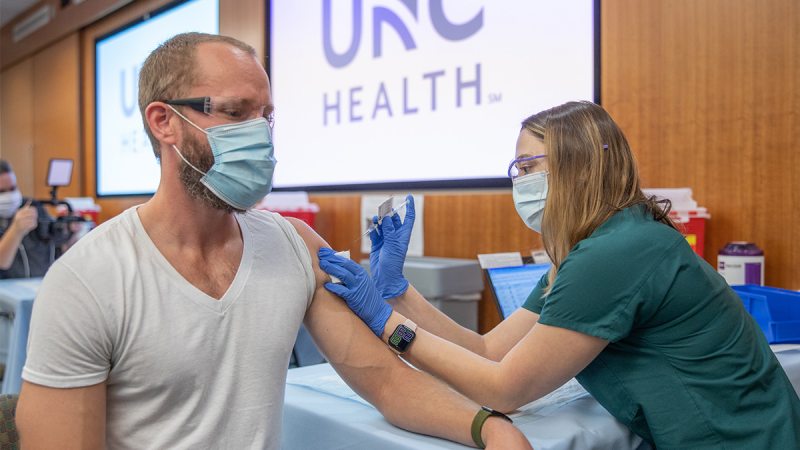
point(183, 370)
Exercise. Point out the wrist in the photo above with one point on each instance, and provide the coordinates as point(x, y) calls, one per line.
point(16, 231)
point(395, 319)
point(403, 336)
point(495, 426)
point(381, 318)
point(399, 288)
point(488, 423)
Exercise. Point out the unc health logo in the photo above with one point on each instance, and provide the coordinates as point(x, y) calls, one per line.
point(384, 16)
point(406, 93)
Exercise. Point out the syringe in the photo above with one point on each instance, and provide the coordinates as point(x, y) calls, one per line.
point(394, 211)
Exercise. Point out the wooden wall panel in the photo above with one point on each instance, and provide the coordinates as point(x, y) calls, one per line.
point(56, 121)
point(708, 94)
point(64, 21)
point(16, 122)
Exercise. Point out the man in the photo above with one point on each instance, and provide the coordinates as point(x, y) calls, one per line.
point(171, 325)
point(24, 252)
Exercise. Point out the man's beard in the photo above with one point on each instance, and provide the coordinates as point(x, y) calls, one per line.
point(199, 155)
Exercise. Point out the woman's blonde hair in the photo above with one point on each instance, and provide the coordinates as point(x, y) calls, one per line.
point(593, 175)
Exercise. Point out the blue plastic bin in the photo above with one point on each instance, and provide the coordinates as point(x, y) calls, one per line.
point(777, 311)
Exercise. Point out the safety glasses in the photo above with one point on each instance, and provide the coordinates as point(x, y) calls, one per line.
point(525, 166)
point(229, 109)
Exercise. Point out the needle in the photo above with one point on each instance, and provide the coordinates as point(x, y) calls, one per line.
point(393, 212)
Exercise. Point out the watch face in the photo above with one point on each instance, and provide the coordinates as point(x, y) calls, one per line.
point(401, 339)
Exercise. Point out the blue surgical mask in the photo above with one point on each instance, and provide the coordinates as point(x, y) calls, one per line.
point(530, 195)
point(243, 161)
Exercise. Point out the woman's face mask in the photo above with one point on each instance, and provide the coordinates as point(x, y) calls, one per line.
point(243, 161)
point(529, 176)
point(10, 202)
point(530, 195)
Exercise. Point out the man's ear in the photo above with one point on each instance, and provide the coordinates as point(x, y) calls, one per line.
point(157, 115)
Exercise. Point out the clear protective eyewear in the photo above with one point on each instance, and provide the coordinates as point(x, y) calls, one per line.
point(230, 109)
point(525, 165)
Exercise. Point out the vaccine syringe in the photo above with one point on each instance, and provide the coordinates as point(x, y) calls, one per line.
point(393, 211)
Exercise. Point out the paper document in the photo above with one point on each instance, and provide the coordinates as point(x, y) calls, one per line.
point(492, 260)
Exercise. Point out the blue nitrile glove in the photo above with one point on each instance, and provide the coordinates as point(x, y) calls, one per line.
point(356, 289)
point(388, 254)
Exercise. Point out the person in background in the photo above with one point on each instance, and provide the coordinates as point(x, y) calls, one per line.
point(171, 325)
point(24, 252)
point(651, 330)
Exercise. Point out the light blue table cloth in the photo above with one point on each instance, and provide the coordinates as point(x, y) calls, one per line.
point(16, 300)
point(320, 411)
point(789, 357)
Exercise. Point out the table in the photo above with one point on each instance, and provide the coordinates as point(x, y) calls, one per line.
point(326, 414)
point(320, 411)
point(16, 300)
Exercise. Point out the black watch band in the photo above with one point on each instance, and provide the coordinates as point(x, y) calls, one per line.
point(477, 423)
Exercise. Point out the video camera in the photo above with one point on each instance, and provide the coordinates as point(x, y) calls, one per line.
point(56, 229)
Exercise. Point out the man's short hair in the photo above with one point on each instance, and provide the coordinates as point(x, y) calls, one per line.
point(5, 167)
point(168, 72)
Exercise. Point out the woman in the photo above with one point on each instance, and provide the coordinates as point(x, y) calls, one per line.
point(647, 327)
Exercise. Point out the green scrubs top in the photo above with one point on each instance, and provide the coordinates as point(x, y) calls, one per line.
point(686, 367)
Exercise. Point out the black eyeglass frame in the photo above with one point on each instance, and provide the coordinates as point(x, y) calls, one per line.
point(203, 105)
point(199, 104)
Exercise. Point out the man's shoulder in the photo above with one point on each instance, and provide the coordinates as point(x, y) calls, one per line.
point(109, 238)
point(267, 222)
point(261, 221)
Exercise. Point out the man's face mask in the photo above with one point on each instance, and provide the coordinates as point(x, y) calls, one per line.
point(10, 202)
point(243, 161)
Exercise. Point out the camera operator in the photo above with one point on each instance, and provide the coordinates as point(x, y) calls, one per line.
point(24, 252)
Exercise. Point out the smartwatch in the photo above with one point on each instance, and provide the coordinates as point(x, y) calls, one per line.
point(477, 423)
point(403, 336)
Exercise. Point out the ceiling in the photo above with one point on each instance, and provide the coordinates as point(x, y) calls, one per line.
point(10, 9)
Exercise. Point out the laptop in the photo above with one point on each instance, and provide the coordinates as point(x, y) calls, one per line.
point(512, 285)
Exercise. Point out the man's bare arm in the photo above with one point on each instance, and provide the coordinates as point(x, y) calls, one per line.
point(408, 398)
point(72, 418)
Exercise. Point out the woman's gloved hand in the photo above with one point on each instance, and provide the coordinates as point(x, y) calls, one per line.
point(388, 254)
point(356, 289)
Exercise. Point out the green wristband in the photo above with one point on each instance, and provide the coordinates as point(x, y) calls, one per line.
point(477, 423)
